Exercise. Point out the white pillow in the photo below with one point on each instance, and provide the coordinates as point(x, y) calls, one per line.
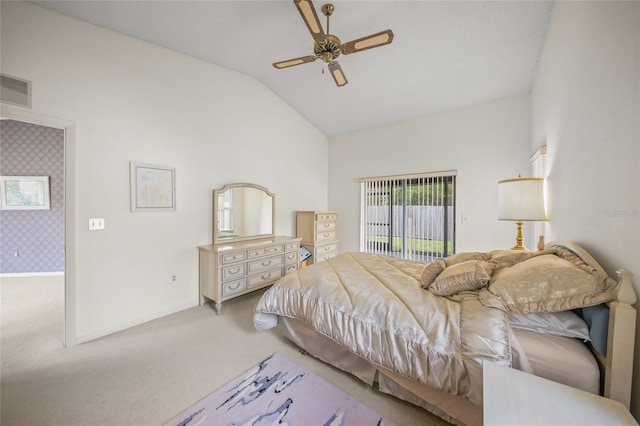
point(564, 323)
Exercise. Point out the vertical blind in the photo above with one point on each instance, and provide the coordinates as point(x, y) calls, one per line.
point(409, 216)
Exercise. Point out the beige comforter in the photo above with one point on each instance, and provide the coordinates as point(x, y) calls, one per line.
point(374, 305)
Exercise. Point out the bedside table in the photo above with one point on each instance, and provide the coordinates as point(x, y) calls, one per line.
point(512, 397)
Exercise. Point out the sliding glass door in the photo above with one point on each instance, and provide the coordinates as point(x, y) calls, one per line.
point(411, 216)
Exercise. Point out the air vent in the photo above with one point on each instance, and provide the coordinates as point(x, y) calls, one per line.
point(15, 91)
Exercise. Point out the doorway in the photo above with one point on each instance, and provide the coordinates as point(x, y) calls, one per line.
point(58, 261)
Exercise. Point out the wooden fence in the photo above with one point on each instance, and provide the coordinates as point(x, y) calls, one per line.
point(423, 224)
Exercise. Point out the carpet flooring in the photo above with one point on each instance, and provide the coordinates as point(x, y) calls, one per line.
point(145, 375)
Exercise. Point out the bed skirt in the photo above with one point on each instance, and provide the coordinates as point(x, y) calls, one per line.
point(454, 409)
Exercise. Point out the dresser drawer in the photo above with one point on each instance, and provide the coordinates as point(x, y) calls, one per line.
point(264, 264)
point(326, 217)
point(290, 268)
point(253, 253)
point(233, 272)
point(324, 256)
point(274, 250)
point(232, 257)
point(326, 251)
point(291, 257)
point(264, 277)
point(326, 236)
point(325, 226)
point(291, 247)
point(233, 287)
point(266, 251)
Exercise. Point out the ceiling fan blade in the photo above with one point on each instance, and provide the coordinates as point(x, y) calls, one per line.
point(369, 42)
point(336, 72)
point(293, 62)
point(308, 13)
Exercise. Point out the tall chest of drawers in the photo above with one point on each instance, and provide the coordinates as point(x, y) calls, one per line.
point(231, 270)
point(318, 231)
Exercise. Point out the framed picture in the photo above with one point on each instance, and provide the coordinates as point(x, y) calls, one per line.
point(153, 188)
point(25, 193)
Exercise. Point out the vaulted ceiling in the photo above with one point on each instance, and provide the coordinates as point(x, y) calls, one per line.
point(445, 54)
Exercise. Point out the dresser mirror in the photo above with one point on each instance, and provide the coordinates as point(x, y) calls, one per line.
point(243, 211)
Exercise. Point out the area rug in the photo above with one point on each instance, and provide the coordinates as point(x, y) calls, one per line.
point(278, 391)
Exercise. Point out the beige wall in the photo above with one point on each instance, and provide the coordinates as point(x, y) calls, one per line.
point(586, 108)
point(484, 143)
point(127, 100)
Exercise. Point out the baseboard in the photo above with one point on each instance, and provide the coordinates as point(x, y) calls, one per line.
point(32, 274)
point(88, 337)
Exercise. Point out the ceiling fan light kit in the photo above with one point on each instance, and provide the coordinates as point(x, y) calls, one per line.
point(327, 47)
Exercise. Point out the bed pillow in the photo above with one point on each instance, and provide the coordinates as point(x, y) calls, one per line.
point(464, 257)
point(431, 271)
point(565, 323)
point(464, 276)
point(546, 283)
point(508, 258)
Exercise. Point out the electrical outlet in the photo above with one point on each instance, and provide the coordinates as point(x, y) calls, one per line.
point(16, 253)
point(96, 224)
point(174, 278)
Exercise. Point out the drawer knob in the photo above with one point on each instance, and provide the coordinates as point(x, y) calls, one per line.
point(234, 272)
point(266, 263)
point(265, 277)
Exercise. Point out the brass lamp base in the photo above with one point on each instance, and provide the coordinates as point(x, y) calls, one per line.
point(519, 240)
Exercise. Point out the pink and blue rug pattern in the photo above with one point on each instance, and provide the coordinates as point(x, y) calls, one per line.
point(277, 391)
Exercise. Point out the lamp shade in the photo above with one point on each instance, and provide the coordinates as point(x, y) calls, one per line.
point(521, 199)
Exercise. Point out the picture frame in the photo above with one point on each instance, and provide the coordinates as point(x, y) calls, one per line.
point(25, 193)
point(152, 187)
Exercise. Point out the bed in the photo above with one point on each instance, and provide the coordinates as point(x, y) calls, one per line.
point(422, 331)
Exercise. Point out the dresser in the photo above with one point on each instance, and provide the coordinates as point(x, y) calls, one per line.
point(318, 231)
point(231, 270)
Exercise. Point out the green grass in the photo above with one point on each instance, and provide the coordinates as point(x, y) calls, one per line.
point(415, 244)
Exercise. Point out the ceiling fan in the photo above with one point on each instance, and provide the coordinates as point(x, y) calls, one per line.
point(328, 47)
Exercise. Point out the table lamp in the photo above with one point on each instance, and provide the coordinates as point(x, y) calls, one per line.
point(521, 199)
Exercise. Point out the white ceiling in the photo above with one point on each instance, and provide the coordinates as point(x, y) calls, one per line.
point(445, 54)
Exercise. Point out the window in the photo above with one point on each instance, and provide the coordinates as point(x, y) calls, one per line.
point(412, 216)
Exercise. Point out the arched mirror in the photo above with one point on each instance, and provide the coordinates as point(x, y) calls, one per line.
point(243, 211)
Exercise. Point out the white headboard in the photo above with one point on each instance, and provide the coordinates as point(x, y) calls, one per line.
point(617, 365)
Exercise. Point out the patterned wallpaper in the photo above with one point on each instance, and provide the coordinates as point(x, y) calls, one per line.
point(37, 235)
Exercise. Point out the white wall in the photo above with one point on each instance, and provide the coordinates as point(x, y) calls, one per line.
point(484, 143)
point(586, 106)
point(132, 101)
